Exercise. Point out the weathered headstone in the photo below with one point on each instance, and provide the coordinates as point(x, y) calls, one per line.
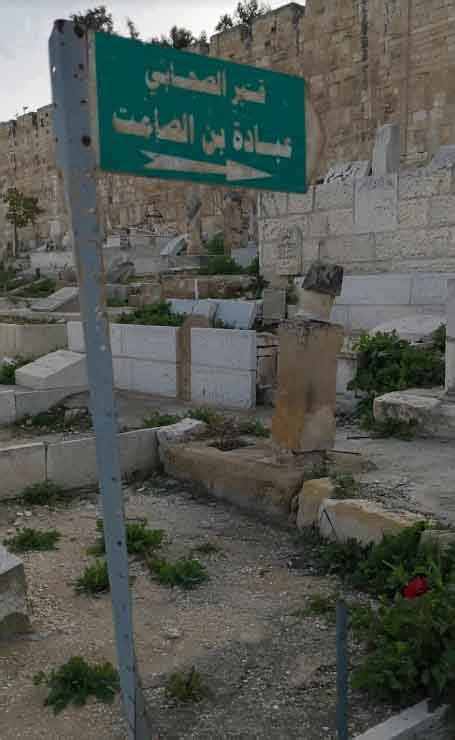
point(386, 152)
point(13, 605)
point(290, 251)
point(273, 305)
point(307, 369)
point(184, 353)
point(232, 212)
point(317, 292)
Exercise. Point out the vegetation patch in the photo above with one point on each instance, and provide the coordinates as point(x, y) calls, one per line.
point(41, 288)
point(345, 486)
point(388, 363)
point(320, 605)
point(187, 688)
point(140, 539)
point(33, 539)
point(186, 572)
point(210, 417)
point(55, 420)
point(157, 314)
point(157, 419)
point(94, 579)
point(75, 681)
point(116, 303)
point(254, 427)
point(8, 369)
point(46, 493)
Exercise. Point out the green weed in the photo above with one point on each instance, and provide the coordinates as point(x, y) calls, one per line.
point(157, 419)
point(75, 681)
point(156, 314)
point(46, 493)
point(345, 486)
point(32, 539)
point(94, 579)
point(186, 688)
point(254, 427)
point(186, 573)
point(140, 539)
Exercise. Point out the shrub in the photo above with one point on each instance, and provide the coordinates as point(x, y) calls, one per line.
point(411, 648)
point(345, 486)
point(188, 688)
point(94, 579)
point(140, 539)
point(253, 268)
point(8, 369)
point(32, 539)
point(157, 419)
point(321, 605)
point(41, 288)
point(255, 427)
point(157, 314)
point(221, 264)
point(46, 493)
point(76, 680)
point(186, 573)
point(215, 246)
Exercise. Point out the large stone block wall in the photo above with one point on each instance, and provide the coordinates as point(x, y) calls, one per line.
point(401, 223)
point(366, 62)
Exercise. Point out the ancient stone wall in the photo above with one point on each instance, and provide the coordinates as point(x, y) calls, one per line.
point(366, 62)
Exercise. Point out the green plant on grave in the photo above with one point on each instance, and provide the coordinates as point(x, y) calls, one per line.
point(156, 314)
point(140, 539)
point(210, 417)
point(8, 369)
point(221, 264)
point(76, 681)
point(41, 288)
point(255, 427)
point(186, 688)
point(46, 493)
point(157, 419)
point(94, 579)
point(215, 246)
point(186, 572)
point(32, 539)
point(438, 339)
point(388, 363)
point(345, 486)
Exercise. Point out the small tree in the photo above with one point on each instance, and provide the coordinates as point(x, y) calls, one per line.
point(132, 29)
point(95, 19)
point(22, 211)
point(179, 38)
point(225, 23)
point(245, 13)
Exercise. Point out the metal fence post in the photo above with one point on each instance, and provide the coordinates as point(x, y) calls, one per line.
point(69, 62)
point(342, 670)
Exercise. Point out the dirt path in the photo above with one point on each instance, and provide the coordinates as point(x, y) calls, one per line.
point(269, 667)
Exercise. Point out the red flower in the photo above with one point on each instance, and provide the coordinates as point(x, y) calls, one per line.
point(415, 588)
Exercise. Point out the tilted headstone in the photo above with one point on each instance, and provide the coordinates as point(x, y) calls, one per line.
point(386, 152)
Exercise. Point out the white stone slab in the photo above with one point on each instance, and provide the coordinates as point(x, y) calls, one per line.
point(238, 314)
point(29, 403)
point(224, 348)
point(157, 343)
point(21, 466)
point(174, 246)
point(61, 369)
point(122, 373)
point(75, 332)
point(156, 378)
point(430, 289)
point(226, 388)
point(415, 723)
point(57, 301)
point(7, 407)
point(182, 431)
point(386, 152)
point(376, 204)
point(182, 305)
point(376, 289)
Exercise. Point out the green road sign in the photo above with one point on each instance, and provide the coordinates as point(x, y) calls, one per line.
point(177, 115)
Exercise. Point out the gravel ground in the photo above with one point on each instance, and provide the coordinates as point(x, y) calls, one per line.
point(269, 665)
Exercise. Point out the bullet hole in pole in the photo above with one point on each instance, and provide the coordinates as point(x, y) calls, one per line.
point(86, 140)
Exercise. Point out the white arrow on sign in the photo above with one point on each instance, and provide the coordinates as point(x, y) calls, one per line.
point(231, 170)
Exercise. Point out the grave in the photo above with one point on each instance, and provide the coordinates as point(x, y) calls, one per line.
point(61, 369)
point(14, 618)
point(65, 299)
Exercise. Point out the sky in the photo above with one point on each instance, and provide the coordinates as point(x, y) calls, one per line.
point(26, 25)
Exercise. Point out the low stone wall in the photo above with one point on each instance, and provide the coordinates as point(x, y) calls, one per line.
point(31, 339)
point(16, 403)
point(72, 464)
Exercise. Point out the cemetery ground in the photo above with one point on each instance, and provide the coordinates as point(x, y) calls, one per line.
point(262, 644)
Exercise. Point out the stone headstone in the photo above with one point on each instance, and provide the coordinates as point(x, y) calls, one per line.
point(347, 171)
point(13, 605)
point(184, 353)
point(273, 305)
point(290, 251)
point(120, 271)
point(174, 246)
point(444, 157)
point(307, 373)
point(324, 277)
point(236, 314)
point(386, 152)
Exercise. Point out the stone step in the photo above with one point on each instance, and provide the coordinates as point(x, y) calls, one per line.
point(62, 369)
point(63, 298)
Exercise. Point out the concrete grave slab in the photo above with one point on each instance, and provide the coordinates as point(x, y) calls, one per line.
point(61, 369)
point(7, 407)
point(361, 520)
point(220, 387)
point(223, 348)
point(14, 618)
point(237, 314)
point(21, 466)
point(414, 723)
point(63, 299)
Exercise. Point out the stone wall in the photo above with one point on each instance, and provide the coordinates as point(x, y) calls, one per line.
point(366, 62)
point(403, 222)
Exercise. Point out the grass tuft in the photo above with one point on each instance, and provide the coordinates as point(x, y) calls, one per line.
point(94, 579)
point(186, 572)
point(32, 539)
point(75, 681)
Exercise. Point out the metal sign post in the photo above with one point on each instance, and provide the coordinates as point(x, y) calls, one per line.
point(76, 157)
point(124, 106)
